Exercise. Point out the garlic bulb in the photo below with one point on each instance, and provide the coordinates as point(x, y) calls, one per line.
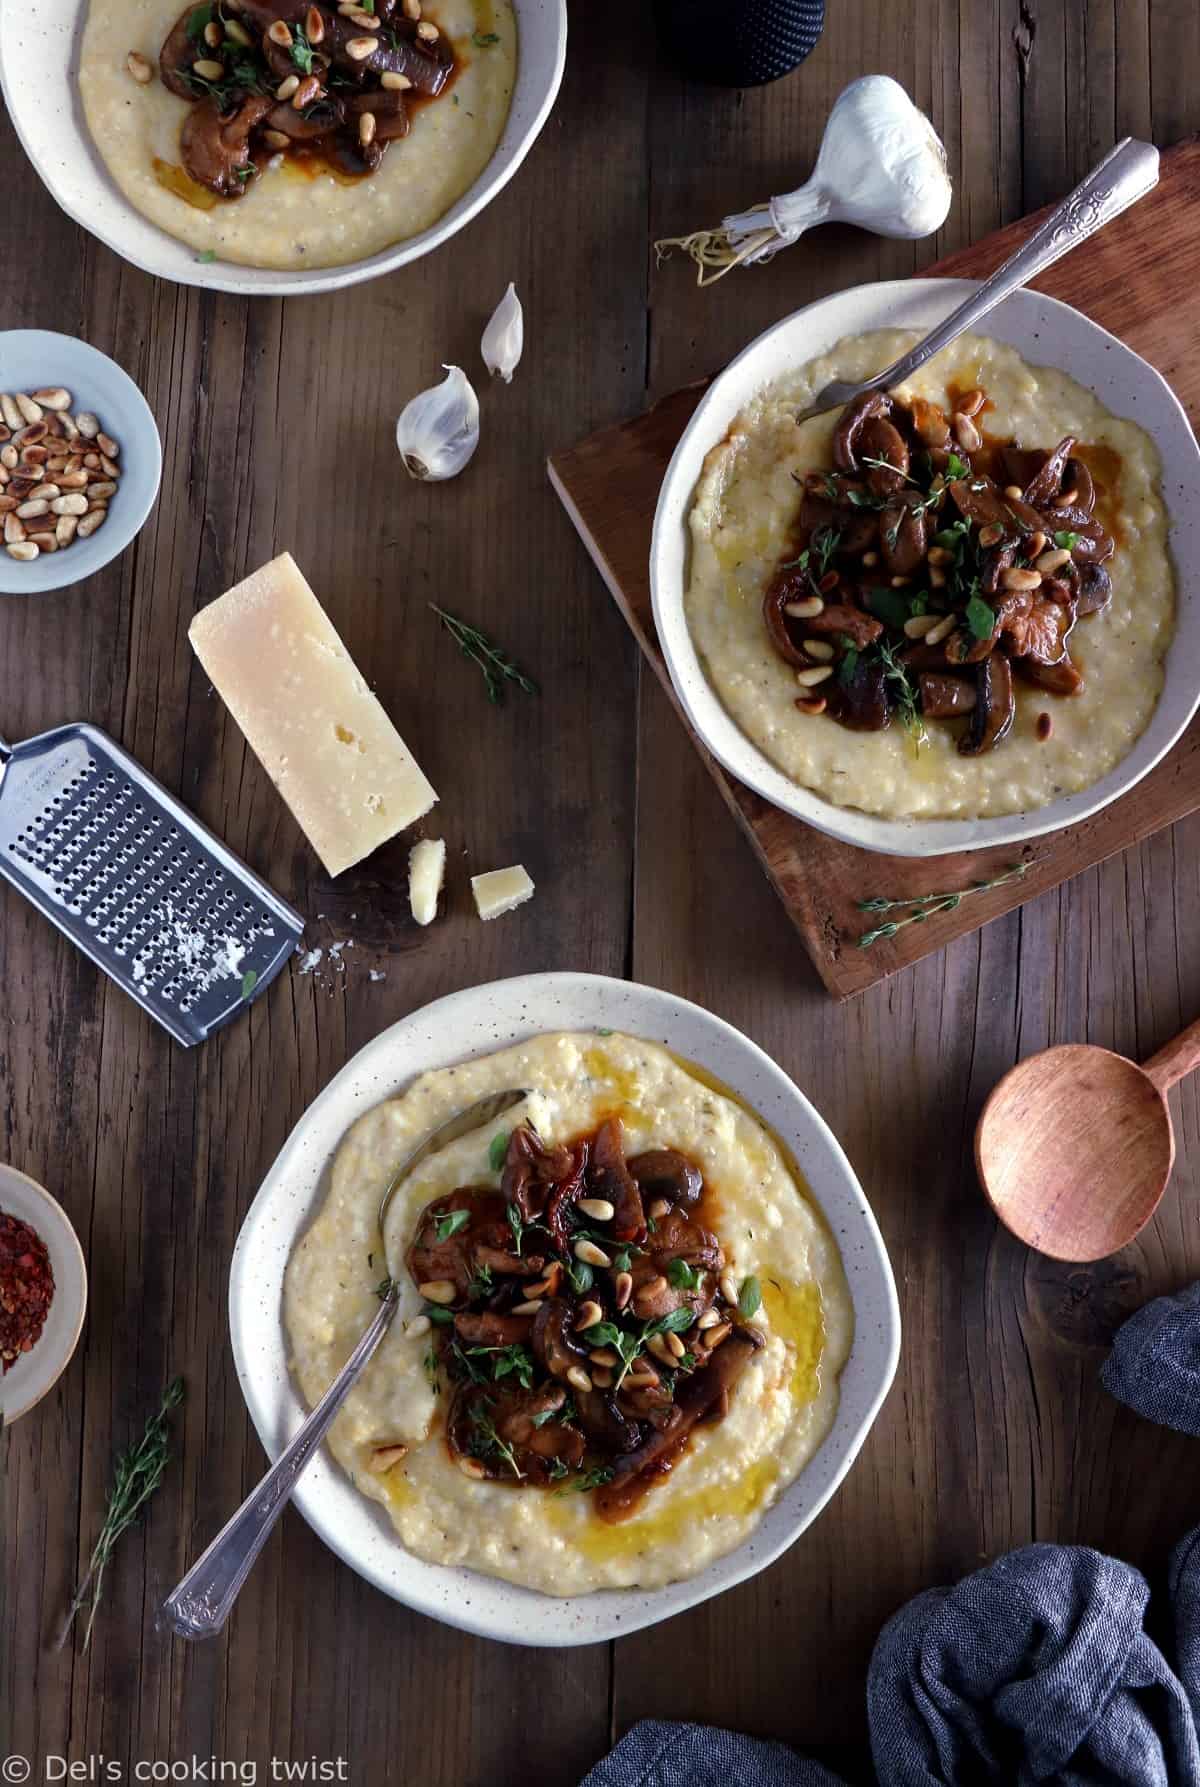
point(504, 337)
point(438, 432)
point(881, 165)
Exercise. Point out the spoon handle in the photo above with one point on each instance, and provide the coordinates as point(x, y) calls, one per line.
point(1126, 174)
point(201, 1603)
point(1175, 1060)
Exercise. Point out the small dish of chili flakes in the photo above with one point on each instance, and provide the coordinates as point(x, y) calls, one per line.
point(43, 1292)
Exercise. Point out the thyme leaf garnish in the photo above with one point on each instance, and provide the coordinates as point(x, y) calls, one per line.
point(496, 666)
point(136, 1475)
point(929, 905)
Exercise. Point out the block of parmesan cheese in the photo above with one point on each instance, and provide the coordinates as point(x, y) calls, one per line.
point(278, 664)
point(500, 890)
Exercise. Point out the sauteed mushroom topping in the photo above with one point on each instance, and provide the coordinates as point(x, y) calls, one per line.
point(564, 1372)
point(930, 565)
point(271, 77)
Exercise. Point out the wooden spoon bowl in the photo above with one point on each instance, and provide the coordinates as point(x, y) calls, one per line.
point(1074, 1147)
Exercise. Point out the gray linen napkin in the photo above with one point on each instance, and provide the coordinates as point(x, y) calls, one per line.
point(1036, 1669)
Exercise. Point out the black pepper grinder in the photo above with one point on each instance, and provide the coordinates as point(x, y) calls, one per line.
point(738, 43)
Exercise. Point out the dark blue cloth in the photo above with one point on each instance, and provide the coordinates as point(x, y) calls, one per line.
point(1036, 1669)
point(1154, 1365)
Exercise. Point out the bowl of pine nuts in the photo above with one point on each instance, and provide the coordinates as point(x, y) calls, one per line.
point(80, 461)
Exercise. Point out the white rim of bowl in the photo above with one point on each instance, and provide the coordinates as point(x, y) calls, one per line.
point(280, 284)
point(643, 1604)
point(886, 837)
point(8, 1416)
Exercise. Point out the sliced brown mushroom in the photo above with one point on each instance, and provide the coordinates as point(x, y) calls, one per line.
point(1063, 678)
point(885, 447)
point(1041, 632)
point(1094, 587)
point(608, 1177)
point(1047, 481)
point(308, 126)
point(994, 707)
point(485, 1328)
point(1078, 478)
point(860, 701)
point(945, 697)
point(838, 619)
point(215, 147)
point(786, 587)
point(902, 535)
point(555, 1347)
point(850, 424)
point(666, 1173)
point(175, 58)
point(930, 423)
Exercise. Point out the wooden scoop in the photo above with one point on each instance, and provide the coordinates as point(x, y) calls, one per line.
point(1074, 1147)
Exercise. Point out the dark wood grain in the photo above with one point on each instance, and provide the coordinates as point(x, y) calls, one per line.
point(996, 1431)
point(1139, 279)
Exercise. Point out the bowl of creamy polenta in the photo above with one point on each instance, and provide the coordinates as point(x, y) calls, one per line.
point(280, 146)
point(645, 1317)
point(868, 617)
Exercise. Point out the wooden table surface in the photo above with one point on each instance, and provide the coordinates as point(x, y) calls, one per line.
point(277, 424)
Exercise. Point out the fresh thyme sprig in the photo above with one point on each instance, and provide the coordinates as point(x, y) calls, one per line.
point(929, 905)
point(136, 1475)
point(496, 666)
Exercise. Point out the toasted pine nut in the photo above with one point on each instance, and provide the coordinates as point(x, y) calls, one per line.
point(940, 555)
point(1066, 500)
point(237, 33)
point(675, 1345)
point(208, 70)
point(91, 521)
point(9, 458)
point(652, 1289)
point(604, 1356)
point(599, 1209)
point(438, 1290)
point(108, 445)
point(715, 1336)
point(359, 48)
point(14, 529)
point(728, 1287)
point(395, 83)
point(658, 1209)
point(589, 1314)
point(428, 33)
point(591, 1254)
point(419, 1325)
point(470, 1467)
point(1052, 561)
point(74, 504)
point(87, 425)
point(578, 1379)
point(1016, 577)
point(384, 1457)
point(811, 704)
point(805, 609)
point(530, 1306)
point(602, 1379)
point(820, 649)
point(278, 32)
point(709, 1319)
point(809, 679)
point(942, 630)
point(102, 491)
point(45, 542)
point(917, 625)
point(308, 90)
point(23, 549)
point(64, 529)
point(991, 535)
point(31, 411)
point(966, 433)
point(139, 68)
point(53, 397)
point(972, 403)
point(624, 1288)
point(8, 504)
point(49, 491)
point(870, 559)
point(72, 480)
point(314, 25)
point(92, 461)
point(213, 35)
point(29, 511)
point(412, 9)
point(284, 91)
point(1043, 727)
point(937, 577)
point(9, 411)
point(1034, 544)
point(31, 434)
point(658, 1346)
point(1013, 492)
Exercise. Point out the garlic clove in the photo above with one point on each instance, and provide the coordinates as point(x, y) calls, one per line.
point(504, 337)
point(438, 432)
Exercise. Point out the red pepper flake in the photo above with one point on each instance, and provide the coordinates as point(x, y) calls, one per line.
point(26, 1288)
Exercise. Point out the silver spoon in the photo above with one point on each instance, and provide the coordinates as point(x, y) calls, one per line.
point(1126, 174)
point(201, 1603)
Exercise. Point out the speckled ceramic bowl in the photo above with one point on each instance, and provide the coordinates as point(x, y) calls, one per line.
point(477, 1022)
point(39, 66)
point(1046, 332)
point(33, 358)
point(36, 1372)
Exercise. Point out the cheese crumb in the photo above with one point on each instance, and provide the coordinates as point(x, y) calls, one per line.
point(426, 872)
point(501, 890)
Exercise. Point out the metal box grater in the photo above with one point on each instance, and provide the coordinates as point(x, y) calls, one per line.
point(143, 888)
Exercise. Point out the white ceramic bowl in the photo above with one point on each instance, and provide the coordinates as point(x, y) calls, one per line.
point(38, 1370)
point(39, 63)
point(1046, 332)
point(31, 358)
point(477, 1022)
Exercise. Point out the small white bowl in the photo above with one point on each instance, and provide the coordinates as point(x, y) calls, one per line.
point(1047, 332)
point(32, 358)
point(39, 74)
point(476, 1022)
point(37, 1371)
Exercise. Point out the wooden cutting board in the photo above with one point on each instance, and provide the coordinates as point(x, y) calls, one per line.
point(1140, 278)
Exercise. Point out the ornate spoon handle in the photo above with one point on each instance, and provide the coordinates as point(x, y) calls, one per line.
point(1125, 175)
point(199, 1606)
